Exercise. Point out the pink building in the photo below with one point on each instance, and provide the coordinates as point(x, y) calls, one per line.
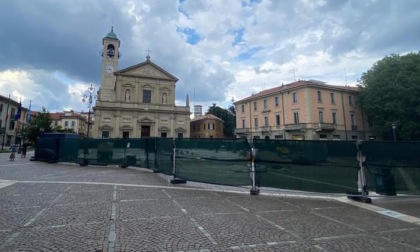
point(303, 110)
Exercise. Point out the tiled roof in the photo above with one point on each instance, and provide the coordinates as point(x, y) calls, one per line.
point(205, 117)
point(58, 115)
point(296, 85)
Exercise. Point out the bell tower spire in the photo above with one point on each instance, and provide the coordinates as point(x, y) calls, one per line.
point(110, 55)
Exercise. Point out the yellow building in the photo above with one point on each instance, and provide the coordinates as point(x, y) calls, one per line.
point(310, 110)
point(11, 129)
point(69, 120)
point(207, 126)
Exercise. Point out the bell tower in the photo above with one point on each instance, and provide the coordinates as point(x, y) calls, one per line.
point(110, 56)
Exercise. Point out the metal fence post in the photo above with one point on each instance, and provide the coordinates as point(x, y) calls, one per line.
point(175, 180)
point(174, 158)
point(254, 190)
point(361, 177)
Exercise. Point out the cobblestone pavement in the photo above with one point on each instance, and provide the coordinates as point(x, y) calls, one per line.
point(62, 207)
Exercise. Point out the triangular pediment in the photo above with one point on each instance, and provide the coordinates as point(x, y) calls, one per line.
point(146, 120)
point(147, 69)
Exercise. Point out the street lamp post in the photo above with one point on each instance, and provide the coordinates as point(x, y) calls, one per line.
point(88, 97)
point(393, 131)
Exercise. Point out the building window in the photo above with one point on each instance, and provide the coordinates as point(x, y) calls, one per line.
point(1, 107)
point(321, 116)
point(147, 96)
point(296, 117)
point(12, 113)
point(126, 134)
point(332, 98)
point(163, 134)
point(319, 96)
point(180, 135)
point(243, 124)
point(105, 134)
point(334, 118)
point(73, 123)
point(11, 125)
point(276, 101)
point(295, 98)
point(55, 123)
point(127, 95)
point(243, 108)
point(278, 137)
point(322, 136)
point(210, 126)
point(266, 121)
point(265, 104)
point(353, 137)
point(255, 105)
point(204, 126)
point(256, 122)
point(66, 124)
point(1, 124)
point(164, 98)
point(336, 137)
point(278, 120)
point(350, 100)
point(352, 119)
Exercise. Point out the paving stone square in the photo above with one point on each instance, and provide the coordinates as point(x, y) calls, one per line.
point(260, 204)
point(147, 208)
point(363, 219)
point(160, 234)
point(198, 206)
point(73, 214)
point(363, 243)
point(308, 225)
point(137, 193)
point(92, 237)
point(62, 207)
point(242, 229)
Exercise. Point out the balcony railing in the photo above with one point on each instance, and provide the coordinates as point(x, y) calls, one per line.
point(241, 131)
point(325, 127)
point(265, 129)
point(294, 127)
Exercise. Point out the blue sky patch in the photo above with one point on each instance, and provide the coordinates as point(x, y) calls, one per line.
point(248, 54)
point(192, 37)
point(238, 36)
point(250, 2)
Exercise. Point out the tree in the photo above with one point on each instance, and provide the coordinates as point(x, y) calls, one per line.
point(390, 94)
point(227, 115)
point(41, 121)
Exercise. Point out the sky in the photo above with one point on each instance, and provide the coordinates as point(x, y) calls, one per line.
point(220, 50)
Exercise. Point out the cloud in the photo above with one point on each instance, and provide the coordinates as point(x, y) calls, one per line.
point(220, 49)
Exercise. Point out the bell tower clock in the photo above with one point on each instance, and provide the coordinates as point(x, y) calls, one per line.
point(110, 55)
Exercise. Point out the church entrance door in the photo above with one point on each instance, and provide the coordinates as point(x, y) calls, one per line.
point(145, 131)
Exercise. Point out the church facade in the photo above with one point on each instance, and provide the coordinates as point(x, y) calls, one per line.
point(137, 101)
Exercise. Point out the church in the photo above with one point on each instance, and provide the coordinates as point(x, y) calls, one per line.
point(137, 101)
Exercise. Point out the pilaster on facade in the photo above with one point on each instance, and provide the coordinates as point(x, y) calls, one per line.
point(310, 110)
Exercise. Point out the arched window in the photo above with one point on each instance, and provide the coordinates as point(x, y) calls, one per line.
point(110, 52)
point(127, 95)
point(164, 98)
